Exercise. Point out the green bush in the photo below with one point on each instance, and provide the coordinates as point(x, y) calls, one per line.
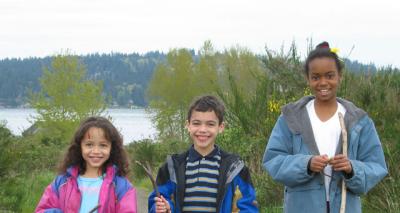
point(6, 142)
point(22, 193)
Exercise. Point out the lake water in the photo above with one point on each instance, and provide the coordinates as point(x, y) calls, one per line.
point(134, 124)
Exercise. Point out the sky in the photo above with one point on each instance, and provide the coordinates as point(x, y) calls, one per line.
point(363, 30)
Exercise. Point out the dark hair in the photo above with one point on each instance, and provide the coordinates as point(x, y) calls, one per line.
point(118, 156)
point(323, 50)
point(205, 104)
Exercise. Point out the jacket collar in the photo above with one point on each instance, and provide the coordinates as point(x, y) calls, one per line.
point(111, 171)
point(298, 121)
point(293, 112)
point(193, 155)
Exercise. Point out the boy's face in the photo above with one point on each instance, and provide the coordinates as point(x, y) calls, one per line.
point(203, 129)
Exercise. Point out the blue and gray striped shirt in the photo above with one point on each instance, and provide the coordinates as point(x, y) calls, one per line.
point(201, 181)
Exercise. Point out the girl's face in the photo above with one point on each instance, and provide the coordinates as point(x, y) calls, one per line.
point(95, 150)
point(323, 79)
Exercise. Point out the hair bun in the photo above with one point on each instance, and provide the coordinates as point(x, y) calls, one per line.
point(323, 44)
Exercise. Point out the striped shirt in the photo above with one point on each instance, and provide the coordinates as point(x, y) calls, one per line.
point(201, 181)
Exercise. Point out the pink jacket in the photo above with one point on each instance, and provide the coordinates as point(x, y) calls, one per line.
point(116, 194)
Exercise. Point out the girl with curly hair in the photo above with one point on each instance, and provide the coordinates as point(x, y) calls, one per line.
point(92, 174)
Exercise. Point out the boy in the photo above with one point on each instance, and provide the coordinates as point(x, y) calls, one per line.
point(204, 178)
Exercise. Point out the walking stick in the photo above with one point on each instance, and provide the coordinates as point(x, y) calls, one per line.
point(344, 148)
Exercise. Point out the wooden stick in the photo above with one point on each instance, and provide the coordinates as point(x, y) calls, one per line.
point(149, 173)
point(344, 148)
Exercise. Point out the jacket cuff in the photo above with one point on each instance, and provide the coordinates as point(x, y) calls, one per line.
point(309, 172)
point(351, 174)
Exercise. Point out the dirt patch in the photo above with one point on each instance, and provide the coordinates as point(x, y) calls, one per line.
point(142, 196)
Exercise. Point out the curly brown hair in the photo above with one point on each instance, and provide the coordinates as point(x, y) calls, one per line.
point(118, 156)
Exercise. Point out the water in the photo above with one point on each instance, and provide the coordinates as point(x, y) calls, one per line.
point(134, 124)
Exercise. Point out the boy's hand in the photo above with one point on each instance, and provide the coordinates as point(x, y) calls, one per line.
point(318, 163)
point(162, 205)
point(341, 163)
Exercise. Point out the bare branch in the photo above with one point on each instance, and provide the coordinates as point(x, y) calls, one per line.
point(149, 173)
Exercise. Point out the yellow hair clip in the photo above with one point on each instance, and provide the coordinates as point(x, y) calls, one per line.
point(335, 50)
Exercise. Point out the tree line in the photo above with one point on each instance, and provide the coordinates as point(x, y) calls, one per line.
point(125, 77)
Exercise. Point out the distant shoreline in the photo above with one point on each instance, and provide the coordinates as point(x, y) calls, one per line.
point(134, 123)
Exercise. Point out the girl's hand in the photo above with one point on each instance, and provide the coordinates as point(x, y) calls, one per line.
point(318, 163)
point(341, 163)
point(162, 205)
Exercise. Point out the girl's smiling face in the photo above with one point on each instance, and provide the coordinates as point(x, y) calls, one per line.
point(323, 79)
point(96, 150)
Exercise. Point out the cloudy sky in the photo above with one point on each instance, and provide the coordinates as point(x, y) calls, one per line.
point(46, 27)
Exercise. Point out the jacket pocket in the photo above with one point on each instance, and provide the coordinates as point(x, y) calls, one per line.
point(305, 198)
point(304, 187)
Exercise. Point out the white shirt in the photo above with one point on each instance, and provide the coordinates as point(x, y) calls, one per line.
point(326, 135)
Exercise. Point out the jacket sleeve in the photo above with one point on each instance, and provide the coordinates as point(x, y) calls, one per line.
point(247, 202)
point(369, 167)
point(49, 202)
point(279, 160)
point(128, 203)
point(166, 188)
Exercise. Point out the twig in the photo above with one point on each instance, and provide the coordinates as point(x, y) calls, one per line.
point(149, 173)
point(94, 209)
point(344, 148)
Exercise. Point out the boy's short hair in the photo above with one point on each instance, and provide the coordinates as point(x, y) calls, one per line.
point(207, 103)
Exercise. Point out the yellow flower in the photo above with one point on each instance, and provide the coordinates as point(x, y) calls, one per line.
point(274, 106)
point(335, 50)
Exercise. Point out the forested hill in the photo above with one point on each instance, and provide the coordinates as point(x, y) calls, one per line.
point(125, 76)
point(358, 67)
